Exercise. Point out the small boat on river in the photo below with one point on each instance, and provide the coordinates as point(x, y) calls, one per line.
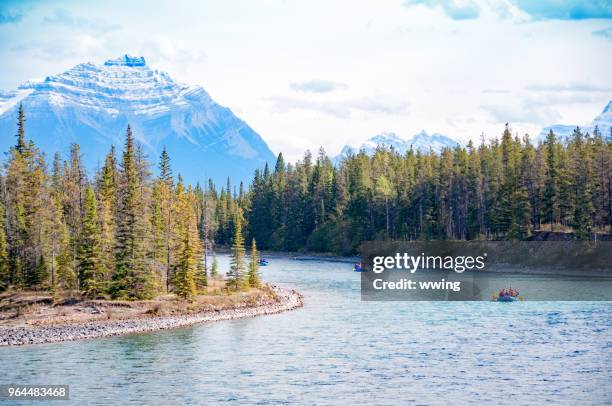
point(508, 295)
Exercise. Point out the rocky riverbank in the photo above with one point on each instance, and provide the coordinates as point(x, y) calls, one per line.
point(50, 333)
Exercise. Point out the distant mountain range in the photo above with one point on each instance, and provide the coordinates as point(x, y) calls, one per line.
point(419, 142)
point(437, 142)
point(92, 105)
point(602, 121)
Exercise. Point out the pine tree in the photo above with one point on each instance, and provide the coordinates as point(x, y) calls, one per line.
point(384, 192)
point(199, 236)
point(253, 275)
point(133, 278)
point(193, 207)
point(475, 216)
point(158, 228)
point(107, 196)
point(163, 216)
point(504, 217)
point(236, 274)
point(206, 223)
point(582, 220)
point(91, 264)
point(62, 272)
point(37, 225)
point(185, 273)
point(21, 141)
point(165, 170)
point(25, 211)
point(15, 213)
point(4, 261)
point(214, 269)
point(41, 272)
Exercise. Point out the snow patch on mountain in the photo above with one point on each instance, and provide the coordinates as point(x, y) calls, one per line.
point(12, 98)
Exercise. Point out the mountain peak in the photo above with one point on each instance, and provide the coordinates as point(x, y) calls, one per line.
point(563, 131)
point(421, 141)
point(386, 137)
point(92, 104)
point(126, 60)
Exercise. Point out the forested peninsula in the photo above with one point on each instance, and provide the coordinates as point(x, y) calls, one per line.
point(122, 252)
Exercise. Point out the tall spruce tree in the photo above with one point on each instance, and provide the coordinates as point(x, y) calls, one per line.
point(163, 214)
point(107, 196)
point(188, 258)
point(253, 275)
point(26, 211)
point(133, 278)
point(90, 255)
point(236, 275)
point(4, 262)
point(582, 173)
point(21, 140)
point(63, 276)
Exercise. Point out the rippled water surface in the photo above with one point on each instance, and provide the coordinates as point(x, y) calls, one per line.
point(339, 350)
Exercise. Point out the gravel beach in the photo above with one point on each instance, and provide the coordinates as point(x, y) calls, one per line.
point(25, 335)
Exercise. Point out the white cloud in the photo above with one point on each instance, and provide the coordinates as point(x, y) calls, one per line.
point(287, 104)
point(340, 108)
point(317, 86)
point(604, 33)
point(522, 114)
point(64, 17)
point(571, 87)
point(455, 9)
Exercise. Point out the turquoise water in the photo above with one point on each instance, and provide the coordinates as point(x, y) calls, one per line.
point(339, 350)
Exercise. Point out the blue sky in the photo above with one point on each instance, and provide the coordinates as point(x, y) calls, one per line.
point(305, 74)
point(532, 9)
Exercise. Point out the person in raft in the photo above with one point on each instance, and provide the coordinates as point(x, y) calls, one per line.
point(509, 292)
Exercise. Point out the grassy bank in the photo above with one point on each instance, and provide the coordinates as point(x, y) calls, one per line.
point(31, 318)
point(36, 308)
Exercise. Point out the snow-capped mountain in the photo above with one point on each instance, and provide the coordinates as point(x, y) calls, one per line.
point(419, 142)
point(388, 139)
point(436, 141)
point(604, 120)
point(92, 105)
point(562, 131)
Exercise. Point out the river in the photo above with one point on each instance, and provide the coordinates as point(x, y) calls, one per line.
point(340, 350)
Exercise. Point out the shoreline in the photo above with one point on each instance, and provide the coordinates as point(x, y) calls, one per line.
point(499, 268)
point(288, 299)
point(299, 255)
